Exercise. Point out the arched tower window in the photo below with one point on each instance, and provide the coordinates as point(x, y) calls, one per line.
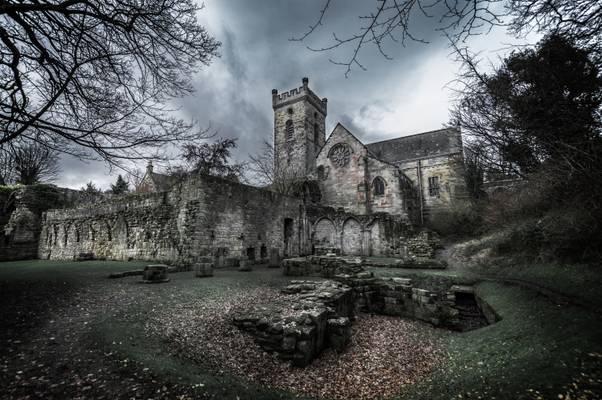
point(290, 130)
point(378, 186)
point(316, 133)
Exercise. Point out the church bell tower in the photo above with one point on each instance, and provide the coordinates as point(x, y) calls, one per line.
point(299, 129)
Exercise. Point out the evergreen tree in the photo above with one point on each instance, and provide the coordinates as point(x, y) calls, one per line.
point(121, 186)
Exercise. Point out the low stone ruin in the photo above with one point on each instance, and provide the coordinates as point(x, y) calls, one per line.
point(331, 265)
point(310, 317)
point(85, 256)
point(203, 269)
point(317, 315)
point(399, 297)
point(244, 265)
point(324, 266)
point(156, 273)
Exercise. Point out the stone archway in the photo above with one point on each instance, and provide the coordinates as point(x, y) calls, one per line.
point(375, 239)
point(324, 234)
point(351, 238)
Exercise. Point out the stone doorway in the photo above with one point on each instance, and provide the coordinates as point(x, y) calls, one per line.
point(352, 238)
point(288, 236)
point(251, 254)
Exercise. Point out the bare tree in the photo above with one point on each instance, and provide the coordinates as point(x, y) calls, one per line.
point(265, 172)
point(93, 78)
point(134, 176)
point(210, 159)
point(392, 22)
point(34, 163)
point(6, 166)
point(578, 20)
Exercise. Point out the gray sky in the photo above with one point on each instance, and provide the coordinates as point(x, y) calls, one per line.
point(233, 95)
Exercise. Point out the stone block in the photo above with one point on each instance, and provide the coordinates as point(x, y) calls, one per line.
point(231, 262)
point(339, 333)
point(85, 256)
point(274, 261)
point(156, 273)
point(202, 270)
point(219, 261)
point(304, 353)
point(244, 266)
point(289, 343)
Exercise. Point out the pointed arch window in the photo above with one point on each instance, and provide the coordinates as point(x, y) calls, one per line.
point(378, 186)
point(290, 129)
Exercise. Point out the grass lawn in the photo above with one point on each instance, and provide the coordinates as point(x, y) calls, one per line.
point(69, 332)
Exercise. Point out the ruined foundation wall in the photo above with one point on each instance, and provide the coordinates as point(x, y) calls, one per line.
point(202, 216)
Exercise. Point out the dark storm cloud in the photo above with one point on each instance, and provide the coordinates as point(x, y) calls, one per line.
point(233, 94)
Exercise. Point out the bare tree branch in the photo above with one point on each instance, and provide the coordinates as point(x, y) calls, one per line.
point(392, 22)
point(94, 78)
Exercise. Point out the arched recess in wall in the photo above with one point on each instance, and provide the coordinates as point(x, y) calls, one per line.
point(122, 232)
point(375, 247)
point(74, 235)
point(325, 234)
point(352, 237)
point(65, 237)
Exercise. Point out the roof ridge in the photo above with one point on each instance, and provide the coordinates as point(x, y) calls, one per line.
point(412, 135)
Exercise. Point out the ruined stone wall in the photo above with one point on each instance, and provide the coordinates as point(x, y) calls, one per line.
point(20, 211)
point(378, 234)
point(202, 216)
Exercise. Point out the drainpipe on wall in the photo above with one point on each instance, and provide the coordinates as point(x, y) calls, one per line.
point(419, 175)
point(368, 187)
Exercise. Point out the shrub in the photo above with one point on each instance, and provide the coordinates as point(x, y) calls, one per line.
point(458, 218)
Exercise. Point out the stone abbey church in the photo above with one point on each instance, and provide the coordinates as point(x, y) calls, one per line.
point(356, 199)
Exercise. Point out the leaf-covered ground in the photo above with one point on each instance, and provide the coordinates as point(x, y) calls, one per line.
point(69, 332)
point(385, 353)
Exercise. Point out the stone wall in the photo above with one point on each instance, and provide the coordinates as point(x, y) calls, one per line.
point(312, 316)
point(309, 318)
point(377, 234)
point(346, 172)
point(202, 216)
point(21, 208)
point(449, 169)
point(399, 297)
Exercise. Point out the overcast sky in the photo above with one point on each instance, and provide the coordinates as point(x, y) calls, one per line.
point(233, 95)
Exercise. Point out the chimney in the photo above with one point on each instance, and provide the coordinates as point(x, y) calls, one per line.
point(149, 168)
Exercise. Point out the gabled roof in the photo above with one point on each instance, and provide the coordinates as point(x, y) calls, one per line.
point(427, 144)
point(348, 132)
point(163, 182)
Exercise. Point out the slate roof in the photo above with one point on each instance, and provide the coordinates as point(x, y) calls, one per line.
point(163, 182)
point(421, 145)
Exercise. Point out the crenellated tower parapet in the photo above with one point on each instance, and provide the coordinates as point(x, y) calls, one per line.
point(299, 130)
point(301, 93)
